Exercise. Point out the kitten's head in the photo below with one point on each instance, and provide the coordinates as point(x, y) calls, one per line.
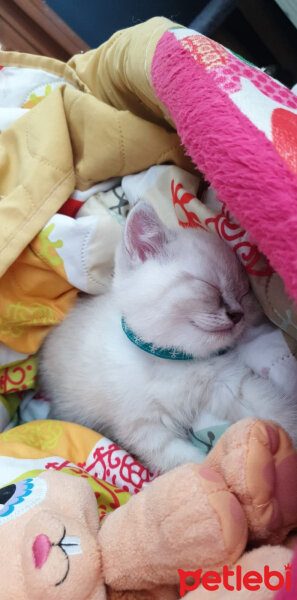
point(184, 289)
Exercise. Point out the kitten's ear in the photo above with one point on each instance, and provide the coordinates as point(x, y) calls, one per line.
point(144, 235)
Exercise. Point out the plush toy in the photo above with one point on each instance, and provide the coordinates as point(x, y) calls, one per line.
point(196, 517)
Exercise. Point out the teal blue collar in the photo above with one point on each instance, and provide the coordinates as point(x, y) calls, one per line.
point(169, 353)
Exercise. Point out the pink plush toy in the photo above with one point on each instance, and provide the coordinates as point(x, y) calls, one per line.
point(194, 517)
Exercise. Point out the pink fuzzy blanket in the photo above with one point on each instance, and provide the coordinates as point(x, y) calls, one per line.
point(240, 128)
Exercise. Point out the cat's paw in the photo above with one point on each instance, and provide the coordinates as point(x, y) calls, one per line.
point(259, 464)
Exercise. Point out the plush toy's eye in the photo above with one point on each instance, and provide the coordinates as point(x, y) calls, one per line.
point(17, 498)
point(6, 493)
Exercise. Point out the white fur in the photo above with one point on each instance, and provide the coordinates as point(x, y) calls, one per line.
point(174, 289)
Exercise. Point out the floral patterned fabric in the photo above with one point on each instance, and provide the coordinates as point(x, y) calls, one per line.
point(30, 449)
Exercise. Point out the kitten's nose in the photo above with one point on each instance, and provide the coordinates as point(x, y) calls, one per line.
point(235, 316)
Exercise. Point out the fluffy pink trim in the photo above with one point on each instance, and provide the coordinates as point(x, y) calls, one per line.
point(236, 157)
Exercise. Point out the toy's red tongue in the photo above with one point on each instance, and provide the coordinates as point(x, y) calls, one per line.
point(41, 549)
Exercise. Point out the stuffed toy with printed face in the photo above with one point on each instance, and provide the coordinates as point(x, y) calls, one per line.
point(194, 517)
point(50, 524)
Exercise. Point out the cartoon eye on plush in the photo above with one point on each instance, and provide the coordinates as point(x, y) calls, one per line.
point(17, 498)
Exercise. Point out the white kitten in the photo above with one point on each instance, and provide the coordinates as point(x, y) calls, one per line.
point(184, 290)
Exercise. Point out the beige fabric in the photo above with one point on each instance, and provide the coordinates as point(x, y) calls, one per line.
point(74, 138)
point(118, 72)
point(99, 260)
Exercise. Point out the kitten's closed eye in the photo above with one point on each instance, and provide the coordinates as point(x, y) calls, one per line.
point(244, 294)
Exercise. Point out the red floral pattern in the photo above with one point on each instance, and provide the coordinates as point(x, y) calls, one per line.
point(9, 384)
point(206, 52)
point(185, 204)
point(110, 463)
point(230, 231)
point(19, 377)
point(227, 69)
point(108, 497)
point(182, 202)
